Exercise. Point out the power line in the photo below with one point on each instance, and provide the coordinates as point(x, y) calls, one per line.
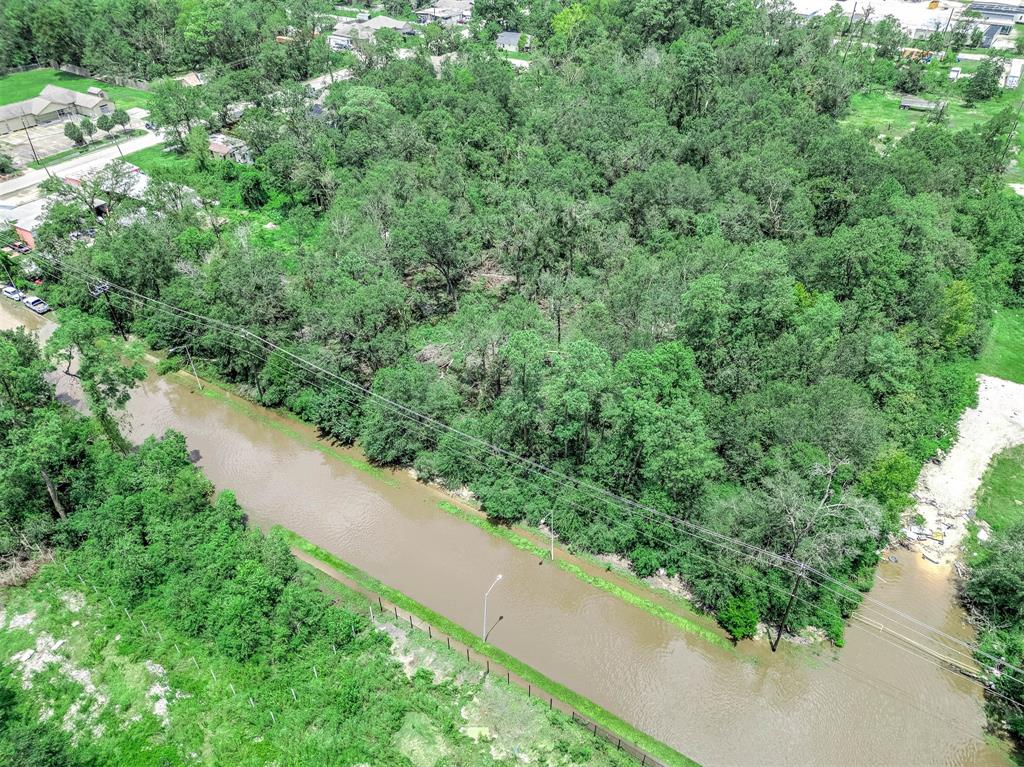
point(699, 532)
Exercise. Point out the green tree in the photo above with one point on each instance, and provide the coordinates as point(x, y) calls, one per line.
point(985, 82)
point(88, 128)
point(74, 133)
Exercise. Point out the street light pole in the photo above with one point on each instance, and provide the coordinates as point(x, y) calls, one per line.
point(188, 353)
point(487, 594)
point(551, 529)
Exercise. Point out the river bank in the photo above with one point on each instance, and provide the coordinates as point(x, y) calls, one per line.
point(946, 489)
point(803, 705)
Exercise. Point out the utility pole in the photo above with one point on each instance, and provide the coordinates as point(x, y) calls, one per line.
point(551, 529)
point(32, 146)
point(103, 289)
point(789, 605)
point(188, 353)
point(7, 268)
point(483, 634)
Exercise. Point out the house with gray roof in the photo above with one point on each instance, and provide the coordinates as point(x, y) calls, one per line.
point(510, 41)
point(54, 103)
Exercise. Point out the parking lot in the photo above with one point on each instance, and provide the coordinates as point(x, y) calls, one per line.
point(49, 139)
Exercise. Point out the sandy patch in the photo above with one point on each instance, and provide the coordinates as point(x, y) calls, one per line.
point(946, 490)
point(22, 621)
point(73, 600)
point(160, 692)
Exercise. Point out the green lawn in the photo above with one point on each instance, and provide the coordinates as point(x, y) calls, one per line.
point(1001, 497)
point(1003, 355)
point(25, 85)
point(878, 108)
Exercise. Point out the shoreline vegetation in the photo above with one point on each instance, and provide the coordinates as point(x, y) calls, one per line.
point(515, 535)
point(170, 630)
point(588, 708)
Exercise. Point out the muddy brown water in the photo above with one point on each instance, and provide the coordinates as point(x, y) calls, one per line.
point(871, 702)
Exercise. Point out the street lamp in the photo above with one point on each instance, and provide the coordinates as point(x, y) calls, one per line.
point(487, 594)
point(190, 362)
point(551, 529)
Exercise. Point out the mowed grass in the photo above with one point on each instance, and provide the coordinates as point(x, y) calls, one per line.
point(26, 85)
point(878, 108)
point(1003, 355)
point(1000, 500)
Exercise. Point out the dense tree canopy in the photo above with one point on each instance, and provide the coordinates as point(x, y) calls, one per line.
point(658, 261)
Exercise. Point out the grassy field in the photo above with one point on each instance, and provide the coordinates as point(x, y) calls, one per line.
point(878, 107)
point(25, 85)
point(128, 688)
point(1000, 500)
point(1003, 355)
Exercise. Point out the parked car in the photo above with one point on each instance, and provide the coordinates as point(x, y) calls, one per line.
point(150, 126)
point(36, 304)
point(13, 293)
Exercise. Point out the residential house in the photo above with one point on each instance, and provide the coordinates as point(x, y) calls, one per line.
point(347, 31)
point(230, 148)
point(54, 103)
point(513, 41)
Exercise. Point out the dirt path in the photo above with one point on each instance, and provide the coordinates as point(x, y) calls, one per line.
point(945, 491)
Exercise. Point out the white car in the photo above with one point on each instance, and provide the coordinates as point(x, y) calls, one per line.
point(36, 304)
point(13, 293)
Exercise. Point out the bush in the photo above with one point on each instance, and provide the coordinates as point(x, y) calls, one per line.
point(740, 616)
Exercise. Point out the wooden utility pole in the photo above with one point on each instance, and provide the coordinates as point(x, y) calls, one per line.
point(789, 605)
point(103, 289)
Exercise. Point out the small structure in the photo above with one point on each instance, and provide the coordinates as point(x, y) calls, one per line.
point(192, 79)
point(920, 105)
point(1012, 73)
point(513, 41)
point(347, 31)
point(230, 148)
point(54, 103)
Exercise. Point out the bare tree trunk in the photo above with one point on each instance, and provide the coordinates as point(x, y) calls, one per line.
point(51, 490)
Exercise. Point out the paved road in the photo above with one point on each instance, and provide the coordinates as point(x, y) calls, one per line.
point(23, 188)
point(317, 83)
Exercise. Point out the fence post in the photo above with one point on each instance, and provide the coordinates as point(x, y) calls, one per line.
point(430, 634)
point(396, 612)
point(380, 604)
point(508, 678)
point(410, 621)
point(644, 761)
point(467, 654)
point(488, 667)
point(551, 703)
point(529, 691)
point(449, 640)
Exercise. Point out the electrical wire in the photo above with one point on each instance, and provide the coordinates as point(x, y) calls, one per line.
point(696, 531)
